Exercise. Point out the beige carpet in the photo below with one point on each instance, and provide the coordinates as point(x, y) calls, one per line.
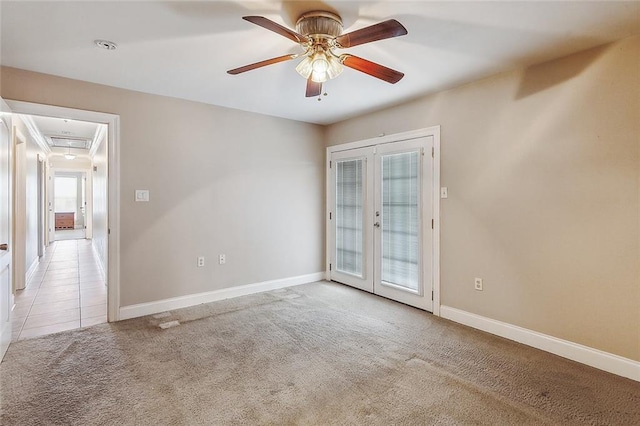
point(316, 354)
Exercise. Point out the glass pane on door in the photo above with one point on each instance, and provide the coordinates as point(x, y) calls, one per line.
point(400, 220)
point(349, 213)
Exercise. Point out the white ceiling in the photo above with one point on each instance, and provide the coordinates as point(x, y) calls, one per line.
point(65, 128)
point(183, 49)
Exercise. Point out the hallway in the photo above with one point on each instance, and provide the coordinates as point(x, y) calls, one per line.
point(67, 291)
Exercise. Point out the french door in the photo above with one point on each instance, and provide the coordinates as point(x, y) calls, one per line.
point(381, 220)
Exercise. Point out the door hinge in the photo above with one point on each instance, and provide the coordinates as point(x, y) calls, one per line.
point(431, 223)
point(431, 294)
point(433, 150)
point(329, 267)
point(329, 215)
point(329, 164)
point(109, 231)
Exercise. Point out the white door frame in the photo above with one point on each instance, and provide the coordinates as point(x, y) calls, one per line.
point(19, 214)
point(42, 208)
point(113, 182)
point(6, 263)
point(398, 137)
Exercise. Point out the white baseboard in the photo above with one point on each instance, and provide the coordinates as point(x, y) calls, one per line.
point(593, 357)
point(32, 269)
point(142, 309)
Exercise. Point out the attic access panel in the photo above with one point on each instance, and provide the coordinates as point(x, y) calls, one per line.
point(62, 142)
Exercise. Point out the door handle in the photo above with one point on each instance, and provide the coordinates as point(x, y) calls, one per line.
point(4, 246)
point(377, 224)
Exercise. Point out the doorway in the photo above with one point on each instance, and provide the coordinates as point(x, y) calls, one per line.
point(76, 280)
point(382, 218)
point(69, 205)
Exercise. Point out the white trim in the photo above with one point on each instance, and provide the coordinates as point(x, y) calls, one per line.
point(35, 134)
point(396, 137)
point(88, 219)
point(6, 261)
point(142, 309)
point(97, 140)
point(19, 206)
point(574, 351)
point(435, 237)
point(113, 240)
point(32, 269)
point(328, 240)
point(113, 224)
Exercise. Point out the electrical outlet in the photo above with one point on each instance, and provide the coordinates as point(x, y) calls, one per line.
point(200, 261)
point(222, 259)
point(478, 284)
point(444, 192)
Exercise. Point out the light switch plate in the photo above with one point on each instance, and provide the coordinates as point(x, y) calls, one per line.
point(142, 195)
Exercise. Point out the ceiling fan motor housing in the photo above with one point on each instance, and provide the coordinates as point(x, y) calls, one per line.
point(319, 26)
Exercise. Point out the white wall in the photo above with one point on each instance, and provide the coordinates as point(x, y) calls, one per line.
point(32, 153)
point(221, 181)
point(27, 187)
point(59, 162)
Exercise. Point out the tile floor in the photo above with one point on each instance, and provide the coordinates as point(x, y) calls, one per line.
point(67, 291)
point(68, 234)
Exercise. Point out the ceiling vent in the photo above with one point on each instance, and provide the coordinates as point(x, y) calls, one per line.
point(62, 142)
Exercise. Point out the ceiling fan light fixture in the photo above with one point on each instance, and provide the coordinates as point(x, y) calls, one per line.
point(305, 67)
point(319, 62)
point(335, 67)
point(319, 77)
point(320, 66)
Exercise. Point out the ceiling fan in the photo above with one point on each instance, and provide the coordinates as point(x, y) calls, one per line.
point(319, 33)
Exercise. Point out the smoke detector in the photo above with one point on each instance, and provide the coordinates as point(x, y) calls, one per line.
point(106, 44)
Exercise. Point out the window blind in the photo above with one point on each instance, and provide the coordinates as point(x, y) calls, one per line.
point(349, 216)
point(400, 220)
